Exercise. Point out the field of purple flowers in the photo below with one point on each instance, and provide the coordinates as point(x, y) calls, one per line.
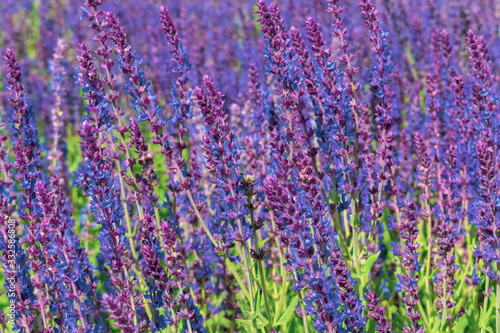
point(247, 166)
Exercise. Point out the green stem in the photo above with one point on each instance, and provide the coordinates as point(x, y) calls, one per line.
point(215, 243)
point(203, 296)
point(428, 260)
point(283, 294)
point(445, 308)
point(342, 242)
point(129, 229)
point(304, 316)
point(236, 276)
point(187, 320)
point(356, 260)
point(132, 301)
point(250, 288)
point(485, 307)
point(283, 271)
point(260, 263)
point(424, 317)
point(266, 295)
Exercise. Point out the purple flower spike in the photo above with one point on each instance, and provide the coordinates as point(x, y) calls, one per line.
point(27, 171)
point(222, 154)
point(487, 218)
point(353, 306)
point(181, 100)
point(408, 282)
point(377, 313)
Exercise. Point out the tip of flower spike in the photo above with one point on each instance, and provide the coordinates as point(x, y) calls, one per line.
point(209, 83)
point(165, 16)
point(9, 52)
point(207, 79)
point(93, 3)
point(13, 73)
point(10, 57)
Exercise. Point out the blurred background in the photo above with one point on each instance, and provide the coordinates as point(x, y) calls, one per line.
point(213, 32)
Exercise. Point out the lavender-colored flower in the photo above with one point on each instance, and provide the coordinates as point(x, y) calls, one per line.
point(181, 97)
point(59, 119)
point(143, 98)
point(483, 90)
point(381, 83)
point(408, 282)
point(424, 167)
point(294, 236)
point(120, 311)
point(447, 237)
point(69, 265)
point(222, 154)
point(487, 220)
point(377, 313)
point(27, 170)
point(351, 304)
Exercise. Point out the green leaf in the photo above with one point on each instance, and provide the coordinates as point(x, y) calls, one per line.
point(246, 313)
point(490, 313)
point(433, 273)
point(348, 240)
point(257, 298)
point(371, 326)
point(369, 264)
point(288, 313)
point(435, 327)
point(462, 324)
point(246, 324)
point(356, 221)
point(486, 317)
point(224, 321)
point(244, 304)
point(331, 200)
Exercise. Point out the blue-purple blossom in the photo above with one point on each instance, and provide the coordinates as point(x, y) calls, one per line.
point(220, 166)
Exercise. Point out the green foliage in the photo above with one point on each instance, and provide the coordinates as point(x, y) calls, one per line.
point(288, 313)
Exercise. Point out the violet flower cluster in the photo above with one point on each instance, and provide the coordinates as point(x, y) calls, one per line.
point(269, 166)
